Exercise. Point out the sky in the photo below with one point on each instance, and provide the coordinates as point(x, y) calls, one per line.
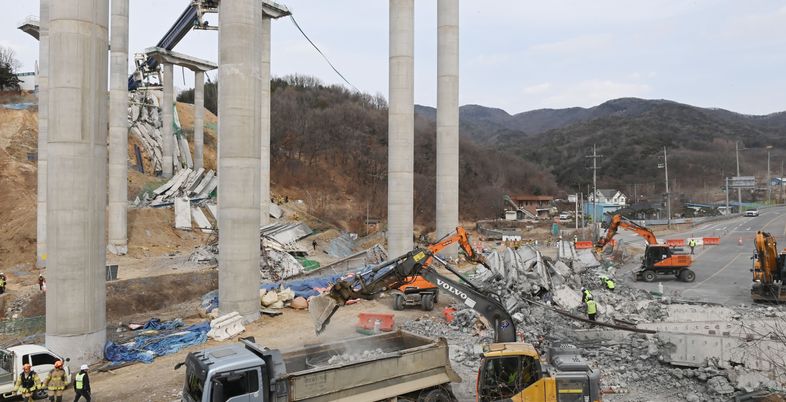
point(517, 55)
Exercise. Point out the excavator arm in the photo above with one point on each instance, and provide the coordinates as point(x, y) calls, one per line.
point(371, 282)
point(619, 221)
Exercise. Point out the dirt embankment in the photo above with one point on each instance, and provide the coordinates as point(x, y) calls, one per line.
point(145, 296)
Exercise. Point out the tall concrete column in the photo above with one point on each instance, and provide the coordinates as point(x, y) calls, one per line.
point(239, 164)
point(447, 119)
point(265, 116)
point(167, 117)
point(401, 126)
point(118, 130)
point(76, 296)
point(199, 119)
point(43, 116)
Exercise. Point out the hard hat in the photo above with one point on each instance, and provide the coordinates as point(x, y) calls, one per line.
point(59, 363)
point(583, 288)
point(26, 367)
point(83, 367)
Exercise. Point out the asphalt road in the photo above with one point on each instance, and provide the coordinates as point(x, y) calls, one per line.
point(722, 272)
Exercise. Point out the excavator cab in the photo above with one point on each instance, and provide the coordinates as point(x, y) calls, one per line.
point(515, 372)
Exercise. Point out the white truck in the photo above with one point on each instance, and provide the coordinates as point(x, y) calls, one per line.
point(40, 358)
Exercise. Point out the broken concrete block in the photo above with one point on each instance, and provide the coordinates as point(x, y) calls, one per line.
point(201, 220)
point(269, 298)
point(286, 295)
point(275, 211)
point(566, 297)
point(226, 326)
point(182, 214)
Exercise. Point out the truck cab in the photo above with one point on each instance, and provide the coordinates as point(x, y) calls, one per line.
point(228, 373)
point(12, 359)
point(515, 372)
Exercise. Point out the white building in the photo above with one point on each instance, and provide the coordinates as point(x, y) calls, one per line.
point(608, 196)
point(27, 81)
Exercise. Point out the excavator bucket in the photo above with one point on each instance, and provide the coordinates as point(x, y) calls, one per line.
point(321, 308)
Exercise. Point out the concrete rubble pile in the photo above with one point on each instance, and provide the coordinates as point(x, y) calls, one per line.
point(276, 299)
point(145, 122)
point(630, 362)
point(189, 184)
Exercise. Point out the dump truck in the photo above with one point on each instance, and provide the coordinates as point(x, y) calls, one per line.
point(371, 368)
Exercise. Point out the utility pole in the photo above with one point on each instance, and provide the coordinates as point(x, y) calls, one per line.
point(576, 217)
point(728, 212)
point(668, 195)
point(739, 190)
point(780, 181)
point(594, 157)
point(769, 187)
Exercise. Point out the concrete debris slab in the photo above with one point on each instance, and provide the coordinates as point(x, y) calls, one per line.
point(341, 246)
point(213, 208)
point(212, 185)
point(286, 233)
point(278, 265)
point(182, 214)
point(566, 297)
point(201, 220)
point(199, 186)
point(275, 211)
point(226, 326)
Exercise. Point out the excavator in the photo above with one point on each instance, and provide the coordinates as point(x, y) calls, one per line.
point(659, 259)
point(509, 370)
point(769, 270)
point(417, 290)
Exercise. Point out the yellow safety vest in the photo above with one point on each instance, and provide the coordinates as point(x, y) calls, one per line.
point(592, 308)
point(79, 384)
point(610, 284)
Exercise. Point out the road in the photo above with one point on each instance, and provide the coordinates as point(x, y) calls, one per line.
point(722, 272)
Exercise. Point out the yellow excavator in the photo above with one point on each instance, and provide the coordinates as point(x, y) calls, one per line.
point(509, 370)
point(769, 270)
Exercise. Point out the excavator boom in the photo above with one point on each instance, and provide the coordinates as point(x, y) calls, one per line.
point(769, 269)
point(369, 283)
point(619, 221)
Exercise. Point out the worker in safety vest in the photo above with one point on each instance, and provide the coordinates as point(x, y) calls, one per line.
point(608, 282)
point(27, 383)
point(592, 309)
point(56, 382)
point(585, 295)
point(82, 384)
point(692, 244)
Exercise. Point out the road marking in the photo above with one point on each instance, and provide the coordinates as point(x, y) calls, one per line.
point(716, 272)
point(771, 220)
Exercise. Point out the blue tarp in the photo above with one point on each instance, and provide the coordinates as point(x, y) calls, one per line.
point(18, 106)
point(156, 324)
point(304, 287)
point(146, 347)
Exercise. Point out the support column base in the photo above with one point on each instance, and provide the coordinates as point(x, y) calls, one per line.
point(81, 349)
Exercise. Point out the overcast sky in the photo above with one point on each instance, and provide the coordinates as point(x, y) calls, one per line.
point(518, 54)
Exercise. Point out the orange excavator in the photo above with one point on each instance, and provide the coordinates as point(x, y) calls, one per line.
point(416, 290)
point(769, 270)
point(659, 259)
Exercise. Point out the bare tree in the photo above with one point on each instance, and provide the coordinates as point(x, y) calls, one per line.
point(8, 57)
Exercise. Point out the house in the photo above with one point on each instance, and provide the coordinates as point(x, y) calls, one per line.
point(608, 197)
point(537, 205)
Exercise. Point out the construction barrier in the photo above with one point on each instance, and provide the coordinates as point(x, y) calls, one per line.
point(367, 321)
point(226, 326)
point(699, 240)
point(675, 242)
point(583, 244)
point(711, 241)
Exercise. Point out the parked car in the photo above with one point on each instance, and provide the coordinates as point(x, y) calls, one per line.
point(752, 212)
point(564, 216)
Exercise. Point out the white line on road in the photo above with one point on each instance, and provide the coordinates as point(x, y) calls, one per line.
point(716, 272)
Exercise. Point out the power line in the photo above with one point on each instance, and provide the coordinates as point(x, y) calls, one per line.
point(292, 17)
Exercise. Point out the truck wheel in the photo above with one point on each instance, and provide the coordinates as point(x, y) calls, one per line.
point(648, 275)
point(436, 395)
point(436, 297)
point(398, 302)
point(427, 302)
point(687, 275)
